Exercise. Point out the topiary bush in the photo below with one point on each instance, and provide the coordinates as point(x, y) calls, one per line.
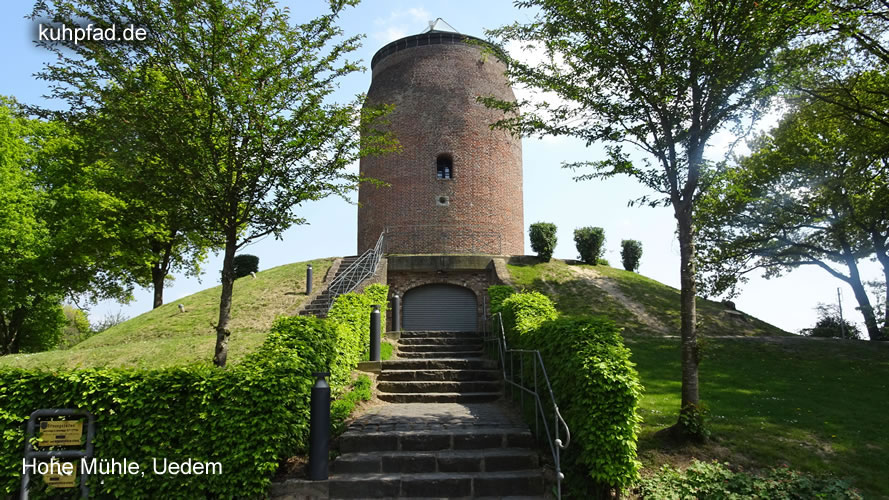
point(245, 264)
point(716, 480)
point(543, 239)
point(596, 387)
point(590, 243)
point(630, 254)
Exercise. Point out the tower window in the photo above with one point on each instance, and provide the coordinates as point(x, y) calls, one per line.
point(444, 166)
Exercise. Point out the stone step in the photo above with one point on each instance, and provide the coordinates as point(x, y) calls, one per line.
point(439, 347)
point(440, 484)
point(441, 374)
point(484, 460)
point(440, 355)
point(440, 334)
point(474, 438)
point(439, 341)
point(439, 386)
point(460, 363)
point(439, 397)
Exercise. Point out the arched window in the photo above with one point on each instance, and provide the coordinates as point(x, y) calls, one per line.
point(444, 166)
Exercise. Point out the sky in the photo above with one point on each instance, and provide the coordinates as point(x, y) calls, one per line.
point(550, 193)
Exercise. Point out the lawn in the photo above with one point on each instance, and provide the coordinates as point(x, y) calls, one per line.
point(816, 405)
point(166, 337)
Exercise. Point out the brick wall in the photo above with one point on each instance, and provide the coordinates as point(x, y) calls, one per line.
point(479, 210)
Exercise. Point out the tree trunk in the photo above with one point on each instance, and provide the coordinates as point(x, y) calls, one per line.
point(10, 330)
point(870, 320)
point(688, 315)
point(883, 257)
point(158, 276)
point(225, 301)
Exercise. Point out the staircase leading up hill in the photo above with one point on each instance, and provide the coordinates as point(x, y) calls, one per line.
point(321, 302)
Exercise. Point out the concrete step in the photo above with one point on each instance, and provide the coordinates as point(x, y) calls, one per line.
point(443, 374)
point(439, 341)
point(439, 355)
point(439, 347)
point(457, 363)
point(484, 460)
point(439, 397)
point(439, 484)
point(440, 334)
point(474, 438)
point(439, 386)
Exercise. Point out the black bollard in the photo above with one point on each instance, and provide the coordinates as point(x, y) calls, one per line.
point(319, 428)
point(396, 313)
point(309, 279)
point(375, 333)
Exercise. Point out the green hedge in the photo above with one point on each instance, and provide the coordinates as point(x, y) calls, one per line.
point(596, 387)
point(247, 417)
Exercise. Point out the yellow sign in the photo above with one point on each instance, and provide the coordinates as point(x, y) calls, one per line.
point(57, 479)
point(60, 433)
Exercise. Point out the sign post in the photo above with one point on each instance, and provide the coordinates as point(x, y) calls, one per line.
point(59, 433)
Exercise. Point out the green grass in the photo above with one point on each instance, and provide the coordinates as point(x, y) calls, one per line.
point(573, 293)
point(165, 337)
point(817, 406)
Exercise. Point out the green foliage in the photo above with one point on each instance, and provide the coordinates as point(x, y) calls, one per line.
point(499, 293)
point(596, 387)
point(77, 327)
point(543, 239)
point(630, 254)
point(693, 422)
point(590, 243)
point(342, 407)
point(523, 312)
point(247, 417)
point(245, 264)
point(351, 311)
point(831, 325)
point(717, 480)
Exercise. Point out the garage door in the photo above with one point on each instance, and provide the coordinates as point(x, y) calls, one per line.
point(439, 307)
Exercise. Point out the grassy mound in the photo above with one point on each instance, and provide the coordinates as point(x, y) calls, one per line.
point(165, 337)
point(634, 302)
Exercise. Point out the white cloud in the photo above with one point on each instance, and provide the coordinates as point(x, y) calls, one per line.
point(399, 23)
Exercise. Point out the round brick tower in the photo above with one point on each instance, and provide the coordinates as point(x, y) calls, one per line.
point(457, 185)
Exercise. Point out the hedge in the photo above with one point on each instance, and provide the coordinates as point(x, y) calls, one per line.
point(247, 417)
point(595, 385)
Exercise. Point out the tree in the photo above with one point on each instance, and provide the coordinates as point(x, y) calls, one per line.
point(832, 324)
point(590, 243)
point(630, 254)
point(813, 192)
point(660, 76)
point(239, 100)
point(543, 239)
point(53, 233)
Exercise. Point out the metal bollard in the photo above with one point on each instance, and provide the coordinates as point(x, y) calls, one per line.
point(396, 313)
point(319, 428)
point(375, 333)
point(309, 279)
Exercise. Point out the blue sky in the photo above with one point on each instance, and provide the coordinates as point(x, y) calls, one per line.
point(550, 194)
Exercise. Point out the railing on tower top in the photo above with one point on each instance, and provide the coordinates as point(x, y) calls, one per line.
point(529, 378)
point(440, 238)
point(364, 267)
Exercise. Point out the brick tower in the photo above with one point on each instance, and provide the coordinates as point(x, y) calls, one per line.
point(456, 188)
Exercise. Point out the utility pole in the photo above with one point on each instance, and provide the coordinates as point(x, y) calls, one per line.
point(840, 309)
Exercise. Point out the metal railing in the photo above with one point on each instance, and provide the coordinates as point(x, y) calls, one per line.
point(438, 238)
point(364, 267)
point(514, 374)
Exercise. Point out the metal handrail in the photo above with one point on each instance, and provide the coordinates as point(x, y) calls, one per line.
point(364, 267)
point(503, 350)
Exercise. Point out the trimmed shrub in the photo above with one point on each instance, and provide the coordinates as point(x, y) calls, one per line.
point(590, 243)
point(630, 254)
point(498, 293)
point(716, 480)
point(246, 264)
point(596, 387)
point(543, 239)
point(246, 417)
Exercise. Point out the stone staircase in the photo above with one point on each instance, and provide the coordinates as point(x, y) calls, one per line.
point(445, 432)
point(318, 306)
